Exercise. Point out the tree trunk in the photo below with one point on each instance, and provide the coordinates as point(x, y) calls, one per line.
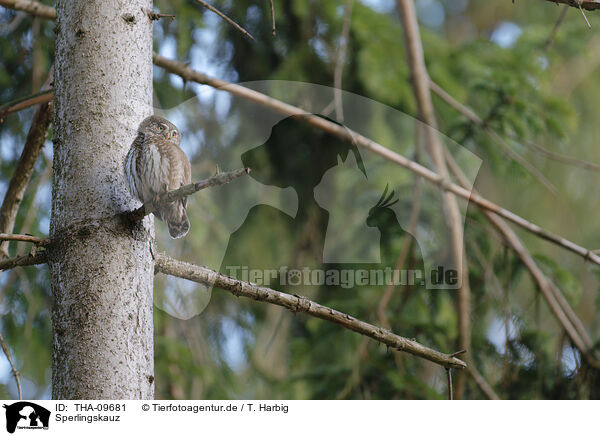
point(102, 268)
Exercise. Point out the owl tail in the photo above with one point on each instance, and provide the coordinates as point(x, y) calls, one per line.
point(175, 216)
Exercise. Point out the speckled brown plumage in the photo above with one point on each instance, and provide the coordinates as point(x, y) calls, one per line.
point(156, 164)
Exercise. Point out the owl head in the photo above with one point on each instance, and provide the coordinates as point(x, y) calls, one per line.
point(159, 126)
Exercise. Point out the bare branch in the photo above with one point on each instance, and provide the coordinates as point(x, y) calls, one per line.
point(208, 277)
point(185, 191)
point(38, 258)
point(12, 365)
point(31, 7)
point(226, 18)
point(189, 74)
point(24, 238)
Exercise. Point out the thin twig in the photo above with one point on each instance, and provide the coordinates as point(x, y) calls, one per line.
point(339, 63)
point(226, 18)
point(208, 277)
point(40, 257)
point(273, 31)
point(343, 132)
point(24, 238)
point(559, 21)
point(12, 365)
point(591, 166)
point(154, 16)
point(185, 191)
point(583, 13)
point(458, 353)
point(449, 376)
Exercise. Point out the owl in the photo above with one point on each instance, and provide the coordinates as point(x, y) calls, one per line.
point(155, 164)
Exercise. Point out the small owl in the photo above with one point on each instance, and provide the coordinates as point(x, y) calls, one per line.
point(155, 164)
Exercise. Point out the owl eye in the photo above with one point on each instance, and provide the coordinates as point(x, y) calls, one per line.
point(160, 128)
point(174, 134)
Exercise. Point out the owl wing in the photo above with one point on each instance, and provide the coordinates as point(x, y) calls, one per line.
point(179, 168)
point(184, 171)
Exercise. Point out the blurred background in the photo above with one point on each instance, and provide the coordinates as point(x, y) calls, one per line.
point(532, 83)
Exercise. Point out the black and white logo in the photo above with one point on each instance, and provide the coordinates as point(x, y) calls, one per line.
point(26, 415)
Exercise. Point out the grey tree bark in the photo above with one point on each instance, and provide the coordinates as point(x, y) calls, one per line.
point(102, 268)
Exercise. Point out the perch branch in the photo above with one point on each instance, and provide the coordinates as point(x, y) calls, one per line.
point(12, 365)
point(185, 191)
point(208, 277)
point(226, 18)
